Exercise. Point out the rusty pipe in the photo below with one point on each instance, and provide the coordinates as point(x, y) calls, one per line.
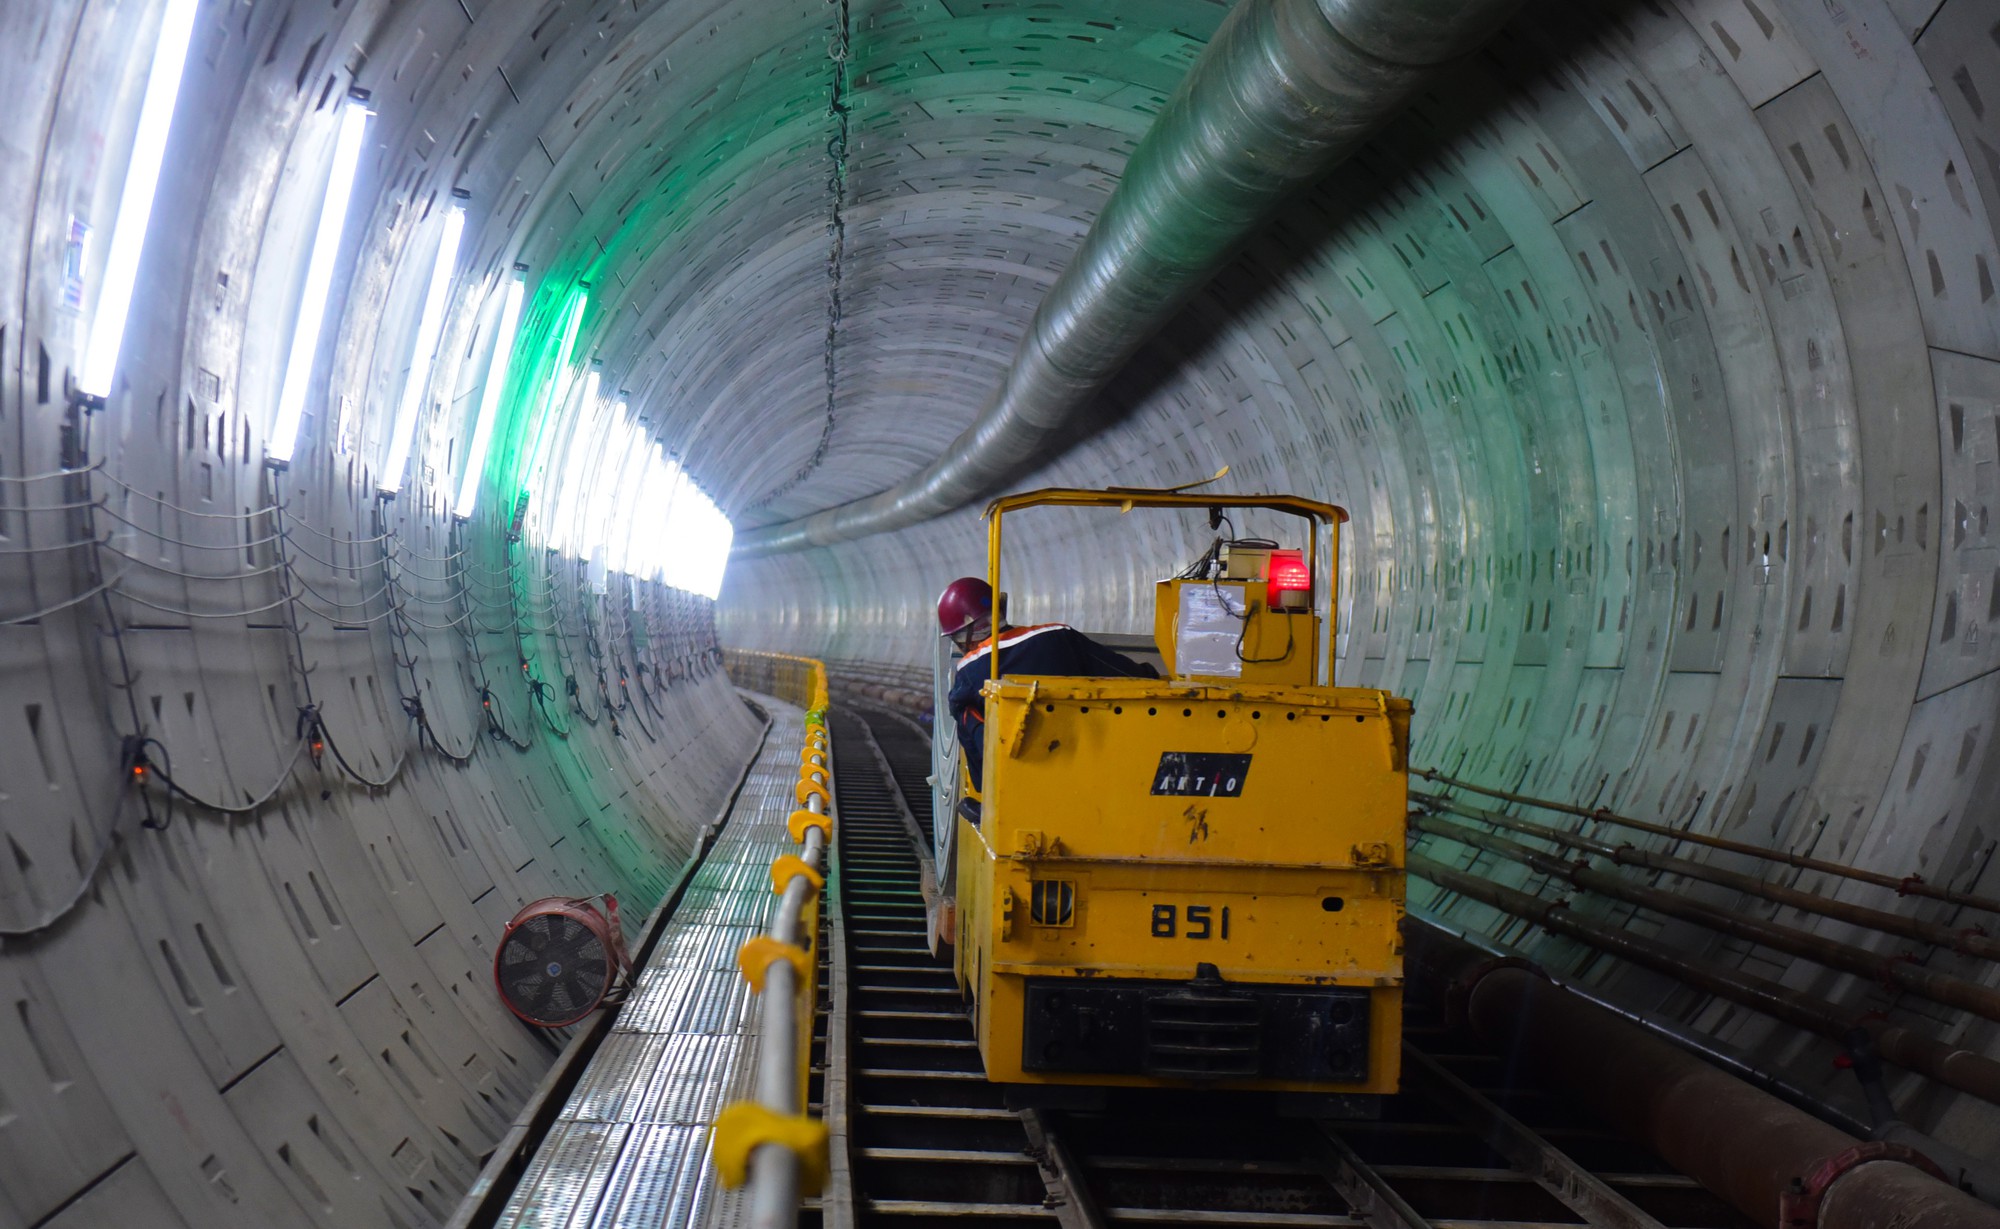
point(1908, 885)
point(1948, 1064)
point(1965, 941)
point(1746, 1146)
point(1893, 970)
point(1967, 1072)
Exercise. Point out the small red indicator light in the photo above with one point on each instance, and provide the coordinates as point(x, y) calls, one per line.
point(1289, 583)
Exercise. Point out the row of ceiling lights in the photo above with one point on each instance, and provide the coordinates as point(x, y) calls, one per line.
point(643, 515)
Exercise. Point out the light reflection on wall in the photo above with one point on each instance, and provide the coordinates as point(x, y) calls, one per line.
point(625, 506)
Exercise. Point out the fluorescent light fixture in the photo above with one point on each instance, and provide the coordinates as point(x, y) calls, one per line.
point(596, 496)
point(628, 507)
point(135, 201)
point(489, 397)
point(319, 279)
point(555, 399)
point(429, 326)
point(565, 380)
point(583, 432)
point(698, 537)
point(623, 513)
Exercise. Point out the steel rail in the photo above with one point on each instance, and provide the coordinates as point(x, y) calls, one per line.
point(1967, 941)
point(1907, 885)
point(1947, 1064)
point(1775, 1165)
point(934, 1139)
point(1549, 1167)
point(1894, 969)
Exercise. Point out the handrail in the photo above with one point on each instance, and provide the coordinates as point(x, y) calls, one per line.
point(1127, 498)
point(1906, 885)
point(769, 1140)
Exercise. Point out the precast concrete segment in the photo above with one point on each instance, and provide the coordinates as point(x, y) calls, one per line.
point(1566, 428)
point(631, 1145)
point(1283, 92)
point(1604, 316)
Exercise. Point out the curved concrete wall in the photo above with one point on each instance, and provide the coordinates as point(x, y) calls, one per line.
point(1656, 361)
point(1656, 355)
point(282, 1014)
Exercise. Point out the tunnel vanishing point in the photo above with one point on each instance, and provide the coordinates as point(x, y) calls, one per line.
point(386, 382)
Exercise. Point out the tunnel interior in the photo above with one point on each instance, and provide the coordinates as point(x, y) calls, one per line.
point(1653, 349)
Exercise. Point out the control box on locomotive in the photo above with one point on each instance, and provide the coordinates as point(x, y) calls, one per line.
point(1195, 881)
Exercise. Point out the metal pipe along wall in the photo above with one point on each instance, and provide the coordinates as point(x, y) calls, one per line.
point(1284, 91)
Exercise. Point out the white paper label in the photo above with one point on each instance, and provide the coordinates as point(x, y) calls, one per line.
point(1207, 628)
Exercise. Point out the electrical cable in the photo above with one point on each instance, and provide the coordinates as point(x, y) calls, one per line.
point(538, 689)
point(312, 727)
point(425, 601)
point(84, 884)
point(319, 725)
point(69, 507)
point(328, 563)
point(414, 706)
point(422, 575)
point(412, 701)
point(309, 587)
point(341, 620)
point(253, 514)
point(182, 542)
point(337, 541)
point(54, 473)
point(481, 602)
point(398, 552)
point(166, 776)
point(436, 627)
point(202, 614)
point(161, 567)
point(495, 725)
point(45, 612)
point(49, 550)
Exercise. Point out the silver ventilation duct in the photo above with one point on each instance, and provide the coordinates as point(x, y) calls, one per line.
point(1286, 89)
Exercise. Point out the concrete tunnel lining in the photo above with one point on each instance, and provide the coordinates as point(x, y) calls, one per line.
point(1658, 363)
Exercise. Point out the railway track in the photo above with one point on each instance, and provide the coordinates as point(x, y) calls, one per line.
point(1463, 1147)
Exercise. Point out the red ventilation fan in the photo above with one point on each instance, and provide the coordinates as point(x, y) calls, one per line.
point(559, 958)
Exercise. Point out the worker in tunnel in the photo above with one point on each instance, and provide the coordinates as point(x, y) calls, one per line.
point(966, 616)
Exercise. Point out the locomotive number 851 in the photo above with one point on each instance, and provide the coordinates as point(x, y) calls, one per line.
point(1194, 881)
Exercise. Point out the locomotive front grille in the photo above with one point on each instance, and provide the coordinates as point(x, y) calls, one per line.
point(1203, 1036)
point(1196, 1030)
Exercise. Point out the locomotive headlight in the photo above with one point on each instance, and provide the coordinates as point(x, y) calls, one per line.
point(1052, 902)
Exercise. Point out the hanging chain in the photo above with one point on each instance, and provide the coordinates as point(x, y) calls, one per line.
point(836, 244)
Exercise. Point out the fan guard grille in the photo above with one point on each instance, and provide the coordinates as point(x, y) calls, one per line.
point(555, 963)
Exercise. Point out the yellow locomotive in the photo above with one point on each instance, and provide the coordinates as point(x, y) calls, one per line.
point(1195, 881)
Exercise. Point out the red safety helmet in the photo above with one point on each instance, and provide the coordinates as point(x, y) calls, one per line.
point(964, 602)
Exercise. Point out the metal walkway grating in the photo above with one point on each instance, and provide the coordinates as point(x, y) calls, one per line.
point(630, 1147)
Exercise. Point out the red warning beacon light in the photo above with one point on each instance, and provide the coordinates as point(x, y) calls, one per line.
point(1288, 585)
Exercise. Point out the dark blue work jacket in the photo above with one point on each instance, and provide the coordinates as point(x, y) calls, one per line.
point(1047, 648)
